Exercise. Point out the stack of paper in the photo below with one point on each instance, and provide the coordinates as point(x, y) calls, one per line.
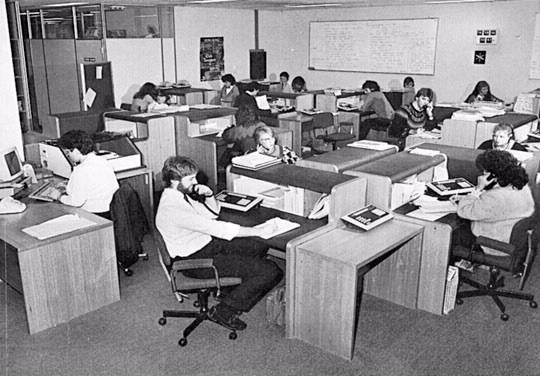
point(255, 161)
point(281, 225)
point(58, 226)
point(371, 145)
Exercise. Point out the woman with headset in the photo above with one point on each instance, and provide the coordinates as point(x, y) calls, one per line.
point(502, 139)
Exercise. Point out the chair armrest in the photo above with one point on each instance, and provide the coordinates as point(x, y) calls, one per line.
point(193, 264)
point(496, 244)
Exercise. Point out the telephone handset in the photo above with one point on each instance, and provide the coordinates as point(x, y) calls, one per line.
point(197, 197)
point(321, 207)
point(492, 182)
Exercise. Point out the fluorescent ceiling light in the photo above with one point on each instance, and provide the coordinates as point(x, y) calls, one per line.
point(209, 1)
point(314, 5)
point(65, 5)
point(456, 1)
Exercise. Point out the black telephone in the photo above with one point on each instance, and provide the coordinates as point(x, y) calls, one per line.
point(197, 197)
point(492, 183)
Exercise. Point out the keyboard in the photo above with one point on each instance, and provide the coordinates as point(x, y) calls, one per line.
point(44, 192)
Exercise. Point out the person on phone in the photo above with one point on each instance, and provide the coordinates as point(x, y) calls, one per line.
point(415, 116)
point(501, 198)
point(92, 183)
point(266, 144)
point(482, 92)
point(187, 218)
point(502, 139)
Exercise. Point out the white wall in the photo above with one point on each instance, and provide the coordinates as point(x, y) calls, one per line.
point(10, 126)
point(235, 26)
point(506, 69)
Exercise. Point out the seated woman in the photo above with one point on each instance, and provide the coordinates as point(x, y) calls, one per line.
point(266, 144)
point(482, 93)
point(298, 84)
point(408, 83)
point(415, 116)
point(241, 134)
point(146, 95)
point(284, 86)
point(229, 91)
point(248, 98)
point(161, 102)
point(502, 197)
point(502, 139)
point(377, 102)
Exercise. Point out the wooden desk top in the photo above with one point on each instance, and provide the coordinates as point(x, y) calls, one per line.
point(514, 118)
point(400, 166)
point(261, 214)
point(344, 244)
point(36, 213)
point(346, 158)
point(296, 176)
point(193, 114)
point(184, 90)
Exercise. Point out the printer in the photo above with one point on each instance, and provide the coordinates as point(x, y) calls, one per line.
point(118, 150)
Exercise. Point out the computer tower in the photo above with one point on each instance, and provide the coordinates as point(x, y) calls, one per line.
point(257, 64)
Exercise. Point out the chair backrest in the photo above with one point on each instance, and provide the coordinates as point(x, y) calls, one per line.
point(164, 257)
point(323, 120)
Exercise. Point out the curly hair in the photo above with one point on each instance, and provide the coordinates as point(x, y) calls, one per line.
point(504, 167)
point(246, 116)
point(77, 139)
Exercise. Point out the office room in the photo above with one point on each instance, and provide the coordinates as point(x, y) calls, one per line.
point(125, 338)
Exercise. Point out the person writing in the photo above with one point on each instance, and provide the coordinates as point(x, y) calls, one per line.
point(482, 92)
point(229, 91)
point(415, 116)
point(160, 103)
point(92, 183)
point(502, 197)
point(375, 101)
point(266, 144)
point(146, 95)
point(502, 139)
point(187, 218)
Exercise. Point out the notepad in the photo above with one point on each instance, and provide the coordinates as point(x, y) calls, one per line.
point(57, 226)
point(371, 145)
point(283, 226)
point(255, 161)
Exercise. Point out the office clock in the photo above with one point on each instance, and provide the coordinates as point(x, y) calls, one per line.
point(479, 57)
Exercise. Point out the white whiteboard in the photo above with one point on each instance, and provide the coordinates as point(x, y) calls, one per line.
point(379, 46)
point(534, 67)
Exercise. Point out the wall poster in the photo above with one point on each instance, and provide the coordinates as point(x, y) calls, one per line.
point(212, 62)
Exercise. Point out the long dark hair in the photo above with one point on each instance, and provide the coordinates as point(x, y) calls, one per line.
point(504, 167)
point(148, 88)
point(478, 87)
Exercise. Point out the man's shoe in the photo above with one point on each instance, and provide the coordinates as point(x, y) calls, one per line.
point(232, 322)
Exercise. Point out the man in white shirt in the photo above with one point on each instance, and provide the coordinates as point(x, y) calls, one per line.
point(187, 220)
point(92, 183)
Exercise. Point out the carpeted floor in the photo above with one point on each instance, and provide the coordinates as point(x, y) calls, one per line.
point(125, 339)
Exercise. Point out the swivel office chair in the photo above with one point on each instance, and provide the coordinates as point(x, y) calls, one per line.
point(342, 135)
point(517, 259)
point(182, 285)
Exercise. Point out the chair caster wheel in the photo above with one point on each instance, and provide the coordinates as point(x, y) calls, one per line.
point(459, 301)
point(196, 304)
point(145, 258)
point(128, 272)
point(533, 304)
point(504, 317)
point(162, 321)
point(233, 336)
point(182, 342)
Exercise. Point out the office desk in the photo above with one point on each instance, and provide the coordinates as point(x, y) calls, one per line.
point(62, 277)
point(191, 96)
point(343, 159)
point(329, 102)
point(300, 101)
point(467, 133)
point(322, 280)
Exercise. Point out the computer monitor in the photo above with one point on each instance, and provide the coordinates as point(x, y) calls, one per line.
point(10, 164)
